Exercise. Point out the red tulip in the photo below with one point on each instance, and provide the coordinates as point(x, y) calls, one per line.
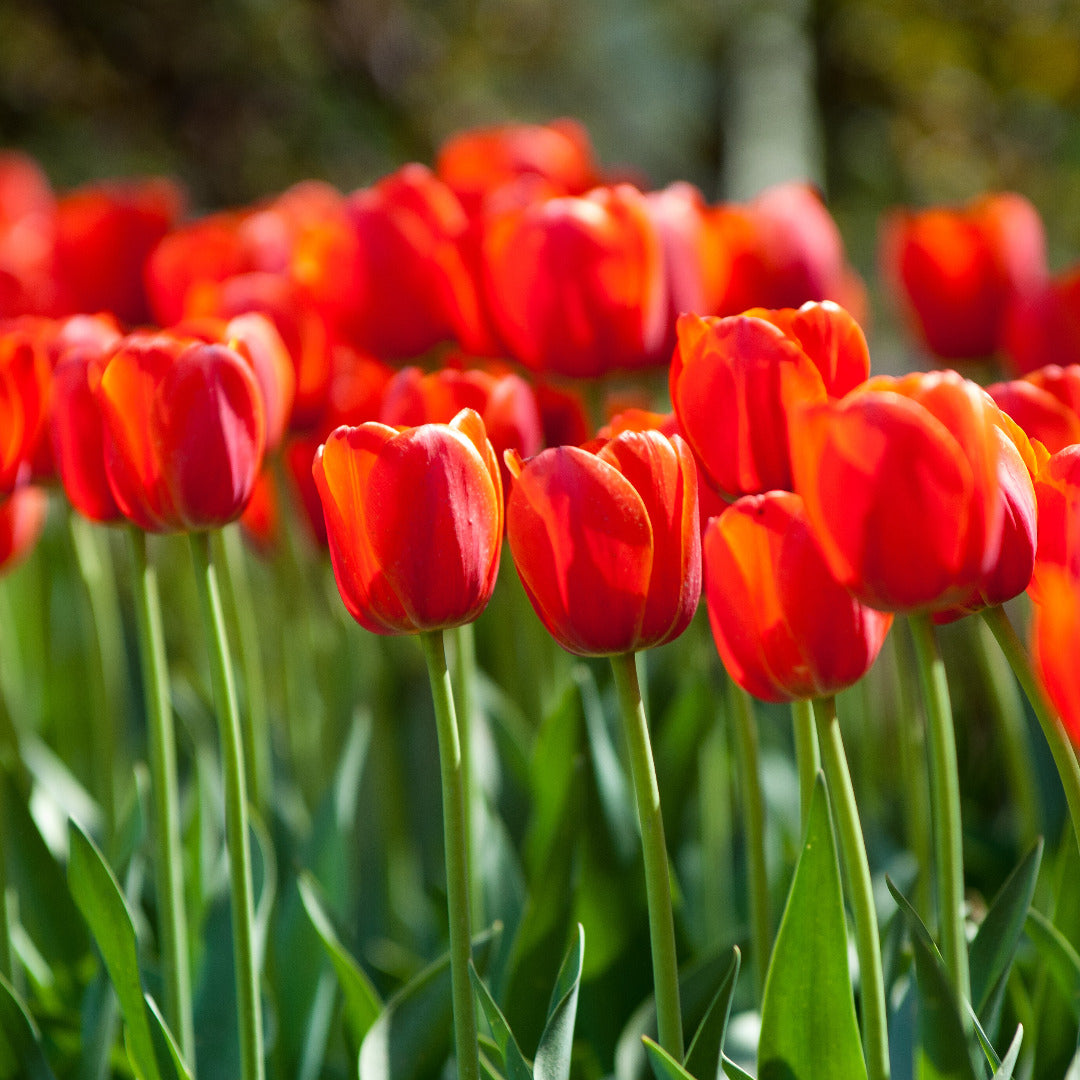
point(24, 390)
point(1045, 403)
point(184, 432)
point(734, 381)
point(104, 235)
point(1042, 326)
point(1055, 629)
point(785, 628)
point(1057, 490)
point(27, 237)
point(415, 521)
point(900, 482)
point(476, 162)
point(606, 544)
point(957, 270)
point(576, 285)
point(22, 517)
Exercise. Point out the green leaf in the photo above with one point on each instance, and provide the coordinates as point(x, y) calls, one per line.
point(808, 1025)
point(706, 1048)
point(944, 1046)
point(411, 1038)
point(175, 1069)
point(98, 897)
point(1062, 960)
point(362, 1002)
point(664, 1066)
point(21, 1055)
point(513, 1060)
point(1008, 1062)
point(995, 944)
point(733, 1071)
point(552, 1060)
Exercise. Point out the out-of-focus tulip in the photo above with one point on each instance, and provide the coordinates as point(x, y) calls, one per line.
point(1057, 491)
point(184, 432)
point(1043, 326)
point(105, 233)
point(900, 482)
point(415, 522)
point(785, 628)
point(956, 270)
point(735, 380)
point(1045, 403)
point(27, 237)
point(784, 249)
point(24, 390)
point(22, 517)
point(563, 416)
point(1055, 629)
point(606, 544)
point(408, 286)
point(576, 285)
point(476, 162)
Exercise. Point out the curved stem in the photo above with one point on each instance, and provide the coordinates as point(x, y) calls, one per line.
point(807, 756)
point(456, 855)
point(1064, 755)
point(654, 851)
point(944, 800)
point(860, 889)
point(746, 752)
point(237, 835)
point(161, 739)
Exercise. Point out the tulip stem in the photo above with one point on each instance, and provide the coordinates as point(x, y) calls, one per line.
point(807, 756)
point(944, 802)
point(860, 889)
point(161, 739)
point(249, 1006)
point(455, 853)
point(465, 677)
point(1064, 755)
point(654, 852)
point(746, 752)
point(256, 731)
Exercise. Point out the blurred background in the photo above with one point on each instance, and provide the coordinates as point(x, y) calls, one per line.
point(878, 101)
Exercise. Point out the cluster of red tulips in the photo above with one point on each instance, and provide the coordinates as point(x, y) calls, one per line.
point(404, 355)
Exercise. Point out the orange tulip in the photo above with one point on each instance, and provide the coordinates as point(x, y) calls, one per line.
point(414, 520)
point(606, 544)
point(785, 628)
point(901, 485)
point(1055, 629)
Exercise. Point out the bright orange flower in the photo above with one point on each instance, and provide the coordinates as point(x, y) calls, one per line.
point(415, 521)
point(901, 485)
point(956, 270)
point(1057, 489)
point(184, 432)
point(785, 628)
point(1045, 403)
point(576, 285)
point(606, 544)
point(734, 381)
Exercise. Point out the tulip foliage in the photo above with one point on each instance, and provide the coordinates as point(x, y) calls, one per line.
point(458, 455)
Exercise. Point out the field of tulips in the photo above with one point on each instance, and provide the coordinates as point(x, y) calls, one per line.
point(498, 623)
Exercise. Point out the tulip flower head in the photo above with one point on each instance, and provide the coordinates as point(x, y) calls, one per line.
point(1045, 403)
point(414, 519)
point(606, 544)
point(785, 628)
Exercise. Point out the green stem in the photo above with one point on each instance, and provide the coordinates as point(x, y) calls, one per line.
point(746, 753)
point(95, 567)
point(654, 852)
point(465, 679)
point(1064, 755)
point(236, 815)
point(807, 757)
point(256, 728)
point(161, 739)
point(944, 802)
point(715, 812)
point(456, 855)
point(860, 889)
point(1008, 713)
